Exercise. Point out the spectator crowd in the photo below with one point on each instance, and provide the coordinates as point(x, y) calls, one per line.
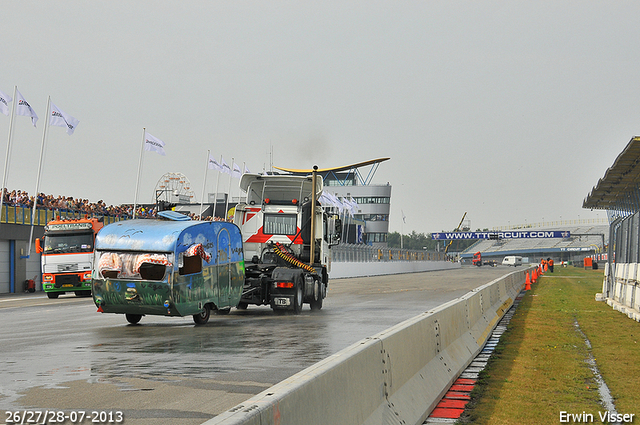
point(21, 198)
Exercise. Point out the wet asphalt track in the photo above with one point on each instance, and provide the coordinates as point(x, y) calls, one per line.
point(62, 355)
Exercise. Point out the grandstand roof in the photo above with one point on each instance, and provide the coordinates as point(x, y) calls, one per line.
point(619, 188)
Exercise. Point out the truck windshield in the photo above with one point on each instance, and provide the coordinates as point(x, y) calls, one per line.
point(68, 243)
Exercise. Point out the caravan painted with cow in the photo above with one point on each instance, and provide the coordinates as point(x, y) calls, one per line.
point(172, 267)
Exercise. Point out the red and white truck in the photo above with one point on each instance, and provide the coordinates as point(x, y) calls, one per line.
point(287, 237)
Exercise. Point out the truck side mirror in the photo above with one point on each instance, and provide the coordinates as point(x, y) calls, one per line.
point(38, 246)
point(337, 230)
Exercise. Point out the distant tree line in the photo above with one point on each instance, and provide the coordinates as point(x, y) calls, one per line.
point(422, 241)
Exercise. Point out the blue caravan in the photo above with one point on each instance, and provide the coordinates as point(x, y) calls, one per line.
point(171, 266)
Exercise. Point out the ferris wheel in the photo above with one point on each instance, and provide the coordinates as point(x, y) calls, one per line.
point(174, 187)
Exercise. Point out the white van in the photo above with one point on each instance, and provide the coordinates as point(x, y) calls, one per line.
point(512, 260)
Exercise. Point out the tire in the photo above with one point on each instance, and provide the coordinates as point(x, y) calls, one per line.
point(83, 293)
point(298, 296)
point(242, 306)
point(223, 312)
point(133, 318)
point(202, 317)
point(316, 304)
point(53, 295)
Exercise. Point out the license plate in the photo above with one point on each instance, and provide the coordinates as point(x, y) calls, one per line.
point(68, 285)
point(281, 301)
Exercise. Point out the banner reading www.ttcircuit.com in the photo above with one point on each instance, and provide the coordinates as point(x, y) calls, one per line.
point(539, 234)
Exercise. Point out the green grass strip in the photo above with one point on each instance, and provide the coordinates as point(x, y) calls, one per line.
point(538, 369)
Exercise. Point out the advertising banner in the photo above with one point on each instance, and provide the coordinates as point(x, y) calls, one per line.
point(529, 234)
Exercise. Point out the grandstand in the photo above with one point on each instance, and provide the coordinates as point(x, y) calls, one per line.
point(584, 241)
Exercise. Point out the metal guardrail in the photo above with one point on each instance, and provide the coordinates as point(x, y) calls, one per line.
point(22, 215)
point(340, 253)
point(365, 254)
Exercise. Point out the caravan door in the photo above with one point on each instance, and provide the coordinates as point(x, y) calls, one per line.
point(224, 270)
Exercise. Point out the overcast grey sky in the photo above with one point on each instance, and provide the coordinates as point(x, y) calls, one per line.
point(510, 111)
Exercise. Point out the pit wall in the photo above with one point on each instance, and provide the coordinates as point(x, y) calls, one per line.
point(356, 269)
point(395, 377)
point(624, 295)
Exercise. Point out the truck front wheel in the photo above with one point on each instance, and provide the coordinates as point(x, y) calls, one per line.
point(316, 303)
point(133, 318)
point(53, 295)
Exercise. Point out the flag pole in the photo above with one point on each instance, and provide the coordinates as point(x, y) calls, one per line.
point(215, 202)
point(246, 198)
point(6, 158)
point(135, 199)
point(226, 207)
point(42, 146)
point(204, 183)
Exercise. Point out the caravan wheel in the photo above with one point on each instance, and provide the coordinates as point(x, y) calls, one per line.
point(202, 317)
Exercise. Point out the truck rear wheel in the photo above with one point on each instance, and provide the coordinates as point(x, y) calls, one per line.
point(202, 317)
point(133, 318)
point(298, 298)
point(316, 303)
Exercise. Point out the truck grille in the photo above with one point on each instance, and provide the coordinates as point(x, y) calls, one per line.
point(68, 267)
point(66, 279)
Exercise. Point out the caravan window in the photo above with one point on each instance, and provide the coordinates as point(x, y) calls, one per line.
point(138, 266)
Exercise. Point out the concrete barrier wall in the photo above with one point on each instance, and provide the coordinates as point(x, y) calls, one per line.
point(394, 377)
point(625, 294)
point(351, 269)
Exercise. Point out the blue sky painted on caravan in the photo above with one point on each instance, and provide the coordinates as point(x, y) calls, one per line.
point(510, 111)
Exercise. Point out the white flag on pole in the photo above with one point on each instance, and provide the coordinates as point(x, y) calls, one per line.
point(236, 171)
point(23, 108)
point(347, 206)
point(61, 119)
point(246, 170)
point(153, 144)
point(213, 164)
point(4, 102)
point(225, 167)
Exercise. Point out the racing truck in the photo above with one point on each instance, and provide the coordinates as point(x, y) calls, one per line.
point(67, 255)
point(478, 261)
point(287, 237)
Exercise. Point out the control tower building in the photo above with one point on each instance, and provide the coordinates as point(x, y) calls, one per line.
point(369, 223)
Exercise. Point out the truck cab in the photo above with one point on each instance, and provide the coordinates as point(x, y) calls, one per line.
point(286, 240)
point(66, 254)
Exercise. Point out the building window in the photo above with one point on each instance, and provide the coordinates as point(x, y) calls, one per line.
point(372, 217)
point(376, 237)
point(372, 200)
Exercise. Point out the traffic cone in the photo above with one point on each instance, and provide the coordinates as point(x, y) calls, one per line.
point(546, 268)
point(527, 283)
point(534, 275)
